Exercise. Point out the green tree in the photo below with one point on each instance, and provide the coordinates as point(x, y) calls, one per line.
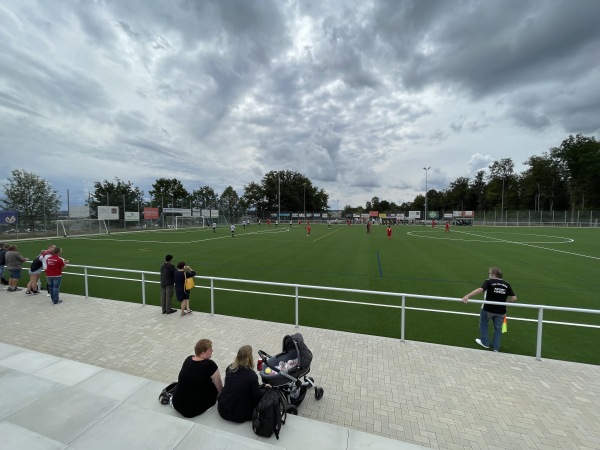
point(478, 190)
point(578, 160)
point(118, 193)
point(230, 203)
point(254, 198)
point(169, 193)
point(500, 181)
point(459, 197)
point(205, 198)
point(32, 197)
point(542, 184)
point(297, 193)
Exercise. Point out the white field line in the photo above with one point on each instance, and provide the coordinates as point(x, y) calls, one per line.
point(212, 238)
point(531, 245)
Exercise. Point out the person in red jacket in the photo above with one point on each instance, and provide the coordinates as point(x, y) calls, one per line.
point(54, 267)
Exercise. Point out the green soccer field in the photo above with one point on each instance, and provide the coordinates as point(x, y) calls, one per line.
point(546, 266)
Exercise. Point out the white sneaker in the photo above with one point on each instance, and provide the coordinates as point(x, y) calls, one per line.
point(48, 295)
point(481, 343)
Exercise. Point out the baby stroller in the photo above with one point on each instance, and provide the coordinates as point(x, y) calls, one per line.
point(285, 370)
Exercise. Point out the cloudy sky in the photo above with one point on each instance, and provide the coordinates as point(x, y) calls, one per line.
point(358, 96)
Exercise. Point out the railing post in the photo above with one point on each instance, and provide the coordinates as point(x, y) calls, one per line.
point(403, 318)
point(85, 277)
point(212, 297)
point(296, 306)
point(143, 289)
point(538, 350)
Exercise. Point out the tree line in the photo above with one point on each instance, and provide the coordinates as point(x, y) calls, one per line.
point(563, 178)
point(35, 200)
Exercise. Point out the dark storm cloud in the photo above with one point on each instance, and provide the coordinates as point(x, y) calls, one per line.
point(358, 96)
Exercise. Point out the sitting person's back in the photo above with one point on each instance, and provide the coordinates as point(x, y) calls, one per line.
point(241, 392)
point(199, 382)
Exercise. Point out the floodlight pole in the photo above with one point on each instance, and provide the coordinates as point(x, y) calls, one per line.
point(426, 169)
point(305, 202)
point(278, 198)
point(502, 203)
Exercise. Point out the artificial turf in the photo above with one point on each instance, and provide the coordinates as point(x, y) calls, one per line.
point(545, 266)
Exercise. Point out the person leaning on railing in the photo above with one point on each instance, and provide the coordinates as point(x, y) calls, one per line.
point(496, 290)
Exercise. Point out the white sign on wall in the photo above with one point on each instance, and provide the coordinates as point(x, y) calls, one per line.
point(79, 212)
point(132, 216)
point(108, 212)
point(414, 214)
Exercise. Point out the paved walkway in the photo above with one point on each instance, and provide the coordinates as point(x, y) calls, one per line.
point(430, 395)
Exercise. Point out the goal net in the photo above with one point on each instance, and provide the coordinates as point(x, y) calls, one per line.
point(80, 227)
point(190, 222)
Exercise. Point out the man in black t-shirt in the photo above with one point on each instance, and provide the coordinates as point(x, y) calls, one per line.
point(496, 290)
point(167, 285)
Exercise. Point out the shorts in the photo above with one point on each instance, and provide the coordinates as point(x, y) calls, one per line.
point(36, 272)
point(15, 273)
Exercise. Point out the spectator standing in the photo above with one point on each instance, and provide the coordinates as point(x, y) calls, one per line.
point(34, 275)
point(241, 392)
point(167, 285)
point(14, 263)
point(3, 248)
point(496, 290)
point(199, 382)
point(54, 267)
point(44, 256)
point(181, 293)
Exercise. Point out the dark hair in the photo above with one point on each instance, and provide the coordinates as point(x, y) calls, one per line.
point(56, 250)
point(11, 248)
point(181, 264)
point(168, 258)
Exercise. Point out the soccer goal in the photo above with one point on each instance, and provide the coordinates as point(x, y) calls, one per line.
point(189, 222)
point(80, 227)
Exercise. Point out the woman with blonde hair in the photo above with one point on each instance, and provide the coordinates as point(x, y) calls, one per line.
point(242, 392)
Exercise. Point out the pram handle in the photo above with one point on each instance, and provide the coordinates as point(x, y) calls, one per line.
point(264, 355)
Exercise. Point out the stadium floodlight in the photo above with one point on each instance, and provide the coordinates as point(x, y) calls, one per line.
point(426, 169)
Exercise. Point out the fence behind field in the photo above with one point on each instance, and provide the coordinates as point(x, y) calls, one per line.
point(300, 291)
point(538, 218)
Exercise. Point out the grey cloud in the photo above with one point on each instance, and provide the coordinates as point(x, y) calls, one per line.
point(479, 162)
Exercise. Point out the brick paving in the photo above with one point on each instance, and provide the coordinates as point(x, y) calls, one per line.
point(432, 395)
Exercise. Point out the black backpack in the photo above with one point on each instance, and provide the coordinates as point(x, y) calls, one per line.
point(269, 414)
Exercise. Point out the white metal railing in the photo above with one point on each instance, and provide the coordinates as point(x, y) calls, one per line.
point(297, 297)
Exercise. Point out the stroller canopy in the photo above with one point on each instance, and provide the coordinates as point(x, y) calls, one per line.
point(296, 342)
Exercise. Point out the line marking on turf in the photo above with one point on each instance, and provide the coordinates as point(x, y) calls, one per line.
point(326, 235)
point(535, 246)
point(228, 236)
point(485, 238)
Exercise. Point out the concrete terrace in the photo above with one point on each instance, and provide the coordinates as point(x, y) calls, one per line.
point(87, 374)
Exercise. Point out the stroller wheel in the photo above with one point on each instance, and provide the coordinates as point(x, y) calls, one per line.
point(291, 409)
point(319, 393)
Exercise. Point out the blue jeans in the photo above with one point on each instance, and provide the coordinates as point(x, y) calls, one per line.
point(53, 288)
point(484, 318)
